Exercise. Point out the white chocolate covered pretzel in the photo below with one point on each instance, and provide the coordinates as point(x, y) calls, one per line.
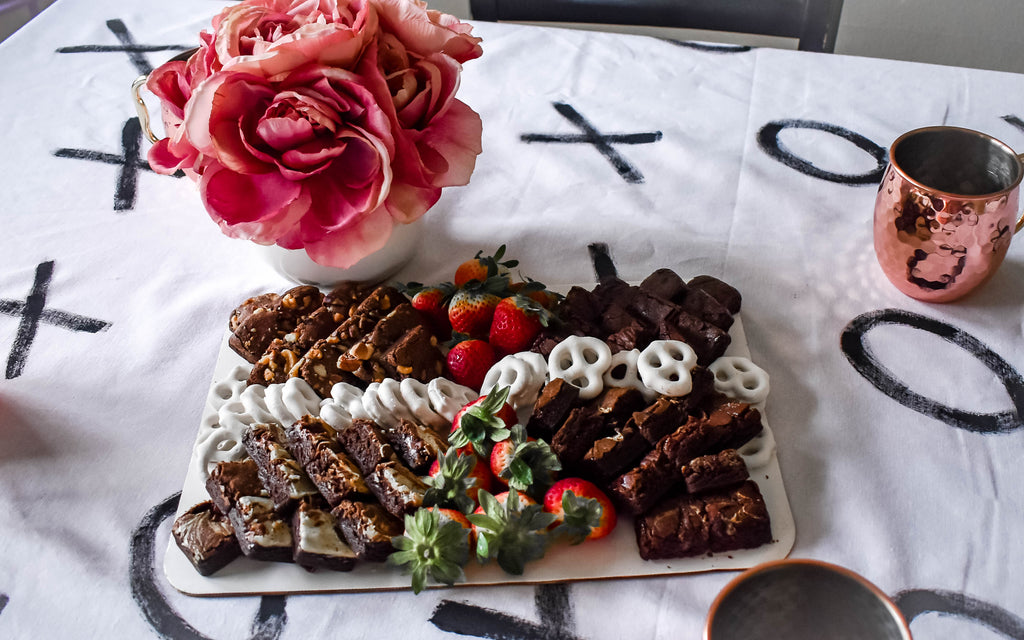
point(622, 372)
point(521, 375)
point(581, 361)
point(665, 367)
point(415, 396)
point(447, 397)
point(739, 378)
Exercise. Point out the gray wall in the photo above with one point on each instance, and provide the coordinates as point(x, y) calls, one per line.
point(987, 34)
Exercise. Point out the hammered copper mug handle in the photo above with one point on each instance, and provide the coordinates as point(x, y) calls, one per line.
point(140, 108)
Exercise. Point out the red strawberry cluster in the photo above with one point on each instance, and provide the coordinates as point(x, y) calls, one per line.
point(484, 313)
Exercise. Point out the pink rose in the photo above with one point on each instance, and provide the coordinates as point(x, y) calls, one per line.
point(172, 83)
point(294, 160)
point(424, 32)
point(270, 37)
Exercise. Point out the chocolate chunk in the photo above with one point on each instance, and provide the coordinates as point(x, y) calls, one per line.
point(364, 442)
point(317, 543)
point(261, 532)
point(737, 518)
point(724, 293)
point(642, 487)
point(552, 408)
point(206, 538)
point(230, 480)
point(313, 443)
point(666, 284)
point(280, 473)
point(367, 528)
point(398, 489)
point(676, 528)
point(715, 471)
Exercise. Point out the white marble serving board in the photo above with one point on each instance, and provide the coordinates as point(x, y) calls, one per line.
point(613, 557)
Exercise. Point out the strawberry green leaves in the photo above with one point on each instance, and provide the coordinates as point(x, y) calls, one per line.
point(481, 424)
point(451, 485)
point(429, 549)
point(512, 533)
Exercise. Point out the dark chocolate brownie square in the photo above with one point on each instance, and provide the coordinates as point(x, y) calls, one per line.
point(575, 437)
point(313, 443)
point(715, 471)
point(276, 363)
point(261, 532)
point(612, 455)
point(230, 480)
point(642, 487)
point(206, 538)
point(398, 489)
point(280, 473)
point(737, 518)
point(552, 408)
point(418, 446)
point(724, 293)
point(675, 528)
point(415, 355)
point(666, 284)
point(365, 443)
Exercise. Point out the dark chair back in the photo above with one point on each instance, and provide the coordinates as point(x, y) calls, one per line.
point(813, 22)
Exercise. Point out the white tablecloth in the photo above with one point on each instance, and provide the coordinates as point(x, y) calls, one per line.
point(760, 168)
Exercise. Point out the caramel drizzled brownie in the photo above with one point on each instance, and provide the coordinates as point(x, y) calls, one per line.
point(230, 480)
point(262, 534)
point(367, 528)
point(314, 444)
point(364, 441)
point(280, 473)
point(417, 445)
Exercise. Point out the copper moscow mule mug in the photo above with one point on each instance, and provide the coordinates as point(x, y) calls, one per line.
point(946, 210)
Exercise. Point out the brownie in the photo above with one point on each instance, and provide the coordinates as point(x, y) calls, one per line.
point(280, 473)
point(651, 308)
point(675, 528)
point(415, 355)
point(396, 487)
point(715, 471)
point(364, 442)
point(317, 542)
point(707, 308)
point(643, 486)
point(346, 296)
point(230, 480)
point(730, 424)
point(575, 437)
point(724, 293)
point(581, 309)
point(708, 341)
point(255, 332)
point(552, 408)
point(377, 304)
point(367, 528)
point(206, 538)
point(261, 532)
point(660, 418)
point(631, 336)
point(316, 326)
point(276, 363)
point(313, 443)
point(297, 303)
point(616, 405)
point(319, 366)
point(608, 457)
point(737, 518)
point(366, 358)
point(666, 284)
point(418, 446)
point(685, 443)
point(250, 306)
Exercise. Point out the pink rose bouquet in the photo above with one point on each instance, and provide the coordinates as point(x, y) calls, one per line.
point(320, 124)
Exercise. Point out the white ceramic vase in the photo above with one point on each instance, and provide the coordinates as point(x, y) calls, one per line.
point(297, 266)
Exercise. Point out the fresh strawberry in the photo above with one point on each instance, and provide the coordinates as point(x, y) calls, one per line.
point(517, 321)
point(502, 498)
point(524, 463)
point(430, 548)
point(513, 531)
point(483, 422)
point(582, 510)
point(432, 302)
point(451, 515)
point(537, 292)
point(472, 308)
point(450, 482)
point(469, 360)
point(481, 267)
point(477, 478)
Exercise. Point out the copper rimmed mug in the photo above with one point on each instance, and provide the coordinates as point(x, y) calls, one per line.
point(946, 210)
point(803, 600)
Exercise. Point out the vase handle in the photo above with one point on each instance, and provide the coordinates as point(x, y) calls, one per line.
point(140, 108)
